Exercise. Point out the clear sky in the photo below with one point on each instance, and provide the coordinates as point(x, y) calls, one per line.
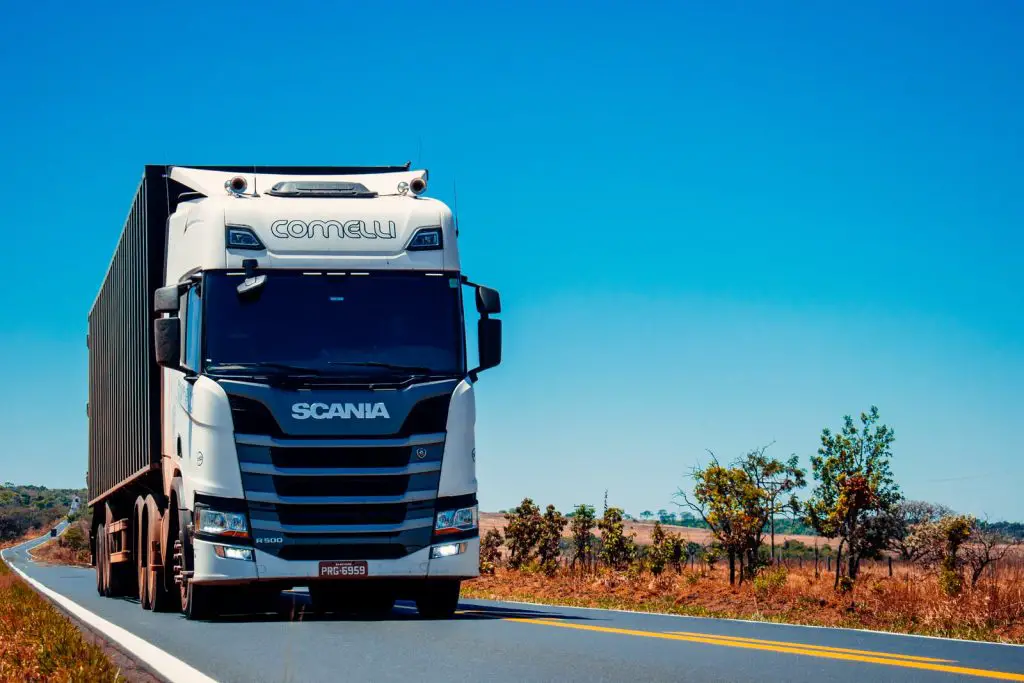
point(714, 225)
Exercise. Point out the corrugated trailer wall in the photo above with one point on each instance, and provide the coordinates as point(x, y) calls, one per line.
point(124, 379)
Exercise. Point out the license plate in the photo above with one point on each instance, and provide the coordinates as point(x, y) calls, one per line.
point(344, 569)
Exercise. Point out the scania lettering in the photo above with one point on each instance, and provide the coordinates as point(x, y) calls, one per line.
point(322, 411)
point(281, 393)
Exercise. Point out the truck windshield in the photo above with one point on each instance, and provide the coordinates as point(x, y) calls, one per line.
point(337, 324)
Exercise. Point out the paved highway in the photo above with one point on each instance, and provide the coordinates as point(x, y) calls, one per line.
point(504, 641)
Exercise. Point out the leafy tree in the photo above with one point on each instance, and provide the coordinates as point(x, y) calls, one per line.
point(905, 517)
point(778, 482)
point(854, 483)
point(731, 505)
point(582, 529)
point(646, 515)
point(522, 533)
point(617, 549)
point(550, 539)
point(490, 551)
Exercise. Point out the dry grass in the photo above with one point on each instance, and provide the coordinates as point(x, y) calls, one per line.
point(909, 602)
point(71, 548)
point(38, 644)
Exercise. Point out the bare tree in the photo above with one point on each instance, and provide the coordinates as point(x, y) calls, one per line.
point(985, 547)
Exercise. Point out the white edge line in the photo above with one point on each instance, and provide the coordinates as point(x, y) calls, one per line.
point(168, 666)
point(751, 621)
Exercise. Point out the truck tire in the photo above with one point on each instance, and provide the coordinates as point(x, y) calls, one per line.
point(140, 552)
point(101, 561)
point(159, 597)
point(439, 600)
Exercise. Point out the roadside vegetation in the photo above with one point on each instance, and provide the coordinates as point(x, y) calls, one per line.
point(71, 547)
point(37, 643)
point(24, 509)
point(875, 560)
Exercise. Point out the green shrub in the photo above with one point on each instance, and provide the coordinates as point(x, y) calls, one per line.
point(550, 540)
point(617, 549)
point(490, 551)
point(522, 533)
point(768, 582)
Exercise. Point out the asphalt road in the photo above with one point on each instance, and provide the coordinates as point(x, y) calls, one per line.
point(505, 641)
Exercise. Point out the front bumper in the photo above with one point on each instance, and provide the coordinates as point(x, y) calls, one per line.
point(212, 569)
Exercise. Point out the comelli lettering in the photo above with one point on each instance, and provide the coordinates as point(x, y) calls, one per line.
point(296, 229)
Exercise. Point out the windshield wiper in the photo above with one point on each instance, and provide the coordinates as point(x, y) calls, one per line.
point(266, 365)
point(412, 369)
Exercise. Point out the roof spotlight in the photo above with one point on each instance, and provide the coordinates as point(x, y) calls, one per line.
point(236, 185)
point(417, 186)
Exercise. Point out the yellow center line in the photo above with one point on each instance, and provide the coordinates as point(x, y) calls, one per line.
point(806, 646)
point(794, 650)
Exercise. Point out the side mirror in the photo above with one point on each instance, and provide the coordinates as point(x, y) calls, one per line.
point(489, 342)
point(167, 342)
point(167, 300)
point(488, 300)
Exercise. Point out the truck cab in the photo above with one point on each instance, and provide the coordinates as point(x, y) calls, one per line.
point(317, 408)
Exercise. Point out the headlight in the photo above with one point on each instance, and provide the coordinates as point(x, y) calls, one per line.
point(222, 523)
point(454, 521)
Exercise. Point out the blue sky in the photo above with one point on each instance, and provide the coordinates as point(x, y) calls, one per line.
point(714, 225)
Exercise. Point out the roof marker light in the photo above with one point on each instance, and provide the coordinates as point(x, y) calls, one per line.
point(237, 185)
point(426, 239)
point(242, 237)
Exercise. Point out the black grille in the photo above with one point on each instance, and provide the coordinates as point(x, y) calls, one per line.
point(348, 551)
point(342, 514)
point(252, 417)
point(341, 486)
point(429, 416)
point(340, 457)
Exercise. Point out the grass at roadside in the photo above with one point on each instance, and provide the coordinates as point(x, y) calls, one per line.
point(71, 547)
point(37, 643)
point(994, 611)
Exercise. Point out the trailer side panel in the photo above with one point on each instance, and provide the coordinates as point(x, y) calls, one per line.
point(124, 379)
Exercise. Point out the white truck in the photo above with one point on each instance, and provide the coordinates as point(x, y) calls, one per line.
point(279, 393)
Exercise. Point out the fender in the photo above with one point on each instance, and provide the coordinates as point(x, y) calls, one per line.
point(458, 465)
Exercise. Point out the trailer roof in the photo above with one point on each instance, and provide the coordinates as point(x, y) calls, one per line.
point(295, 170)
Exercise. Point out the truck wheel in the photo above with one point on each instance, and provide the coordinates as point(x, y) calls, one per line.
point(141, 552)
point(101, 561)
point(159, 596)
point(439, 600)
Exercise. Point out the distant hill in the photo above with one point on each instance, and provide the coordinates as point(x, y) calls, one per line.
point(24, 508)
